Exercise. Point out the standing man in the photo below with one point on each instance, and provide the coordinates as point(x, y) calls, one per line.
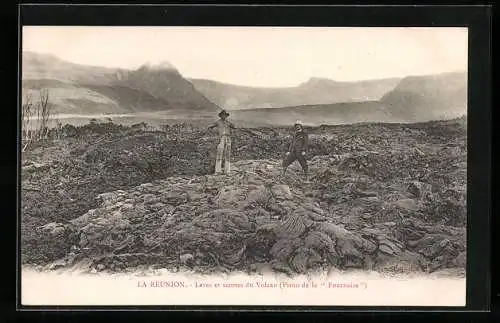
point(224, 148)
point(297, 149)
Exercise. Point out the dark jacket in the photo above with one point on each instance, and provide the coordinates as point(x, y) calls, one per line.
point(299, 142)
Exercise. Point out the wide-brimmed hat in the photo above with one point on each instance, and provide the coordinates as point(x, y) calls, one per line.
point(298, 123)
point(223, 112)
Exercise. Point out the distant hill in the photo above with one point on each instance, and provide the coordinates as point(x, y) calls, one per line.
point(434, 97)
point(163, 82)
point(314, 91)
point(414, 99)
point(83, 89)
point(314, 115)
point(36, 66)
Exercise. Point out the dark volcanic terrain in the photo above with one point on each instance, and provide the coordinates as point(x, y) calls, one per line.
point(385, 197)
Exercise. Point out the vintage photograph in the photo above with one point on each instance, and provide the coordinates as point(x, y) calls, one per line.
point(243, 165)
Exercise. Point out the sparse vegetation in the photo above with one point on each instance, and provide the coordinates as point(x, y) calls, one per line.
point(36, 117)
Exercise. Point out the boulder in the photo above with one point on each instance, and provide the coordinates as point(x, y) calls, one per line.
point(186, 258)
point(302, 259)
point(407, 204)
point(103, 231)
point(173, 197)
point(419, 189)
point(281, 192)
point(319, 241)
point(350, 247)
point(259, 196)
point(231, 196)
point(54, 229)
point(284, 247)
point(403, 262)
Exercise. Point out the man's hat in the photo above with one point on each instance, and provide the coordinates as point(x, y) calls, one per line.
point(223, 112)
point(299, 123)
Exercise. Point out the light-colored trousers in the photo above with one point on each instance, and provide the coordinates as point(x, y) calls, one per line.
point(223, 154)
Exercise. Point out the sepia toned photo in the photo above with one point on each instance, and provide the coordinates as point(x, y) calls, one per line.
point(243, 166)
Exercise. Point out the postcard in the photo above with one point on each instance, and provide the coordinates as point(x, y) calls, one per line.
point(243, 166)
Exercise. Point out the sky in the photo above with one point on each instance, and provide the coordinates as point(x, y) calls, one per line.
point(260, 56)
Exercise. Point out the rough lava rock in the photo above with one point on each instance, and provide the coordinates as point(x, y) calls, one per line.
point(252, 210)
point(119, 197)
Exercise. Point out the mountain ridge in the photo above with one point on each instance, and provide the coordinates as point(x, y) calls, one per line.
point(161, 87)
point(86, 89)
point(313, 91)
point(429, 97)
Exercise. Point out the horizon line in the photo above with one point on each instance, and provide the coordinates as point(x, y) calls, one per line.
point(147, 63)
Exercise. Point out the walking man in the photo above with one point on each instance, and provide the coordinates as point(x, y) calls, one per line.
point(297, 149)
point(225, 128)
